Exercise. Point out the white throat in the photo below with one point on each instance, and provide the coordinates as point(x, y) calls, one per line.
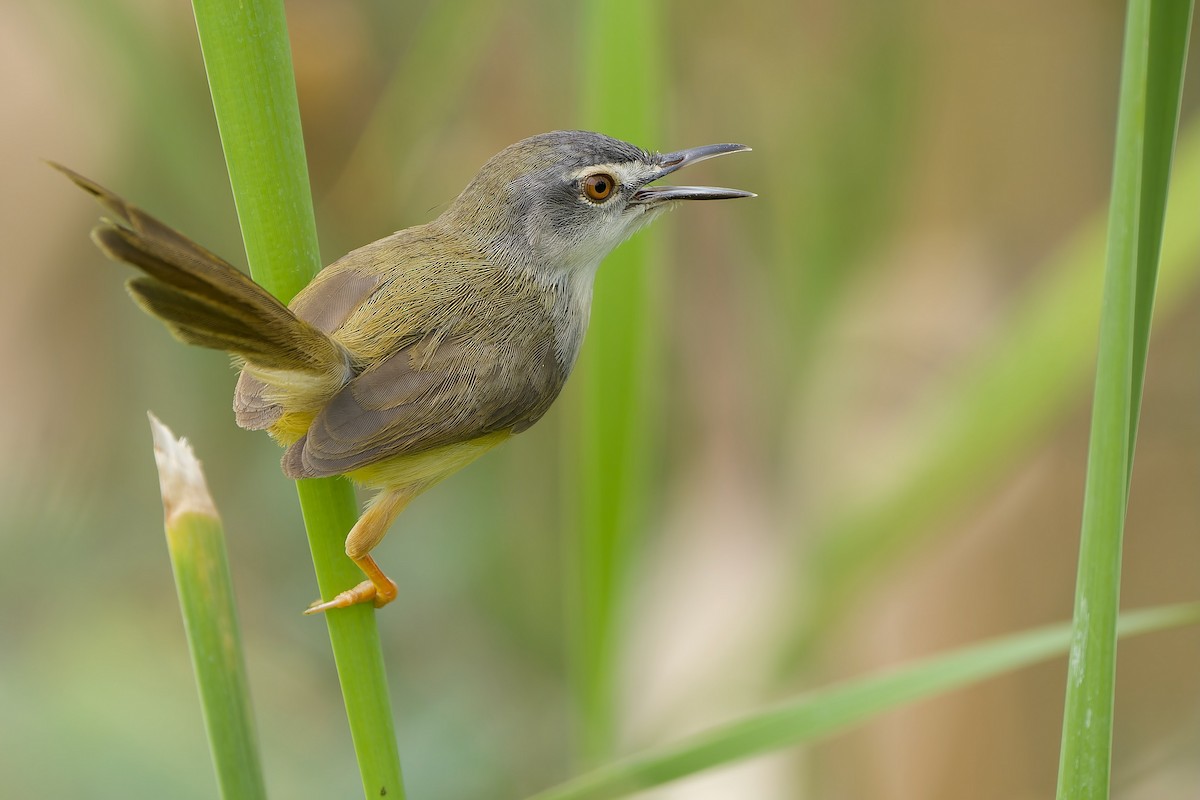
point(572, 310)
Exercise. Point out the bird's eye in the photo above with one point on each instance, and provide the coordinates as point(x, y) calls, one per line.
point(598, 187)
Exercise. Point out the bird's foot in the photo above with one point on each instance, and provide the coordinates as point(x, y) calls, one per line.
point(363, 593)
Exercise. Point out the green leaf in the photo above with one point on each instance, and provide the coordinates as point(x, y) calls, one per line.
point(823, 713)
point(1155, 49)
point(1170, 24)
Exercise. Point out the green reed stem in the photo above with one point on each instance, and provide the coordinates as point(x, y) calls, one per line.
point(249, 64)
point(196, 543)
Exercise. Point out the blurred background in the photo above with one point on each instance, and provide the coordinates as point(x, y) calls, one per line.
point(871, 398)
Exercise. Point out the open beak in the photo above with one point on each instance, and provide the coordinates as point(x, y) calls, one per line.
point(669, 162)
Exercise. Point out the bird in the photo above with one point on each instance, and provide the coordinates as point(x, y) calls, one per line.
point(412, 356)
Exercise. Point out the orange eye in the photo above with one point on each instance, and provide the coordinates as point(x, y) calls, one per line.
point(598, 187)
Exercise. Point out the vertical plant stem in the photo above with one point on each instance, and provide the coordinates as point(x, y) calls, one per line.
point(196, 543)
point(248, 60)
point(614, 442)
point(1146, 127)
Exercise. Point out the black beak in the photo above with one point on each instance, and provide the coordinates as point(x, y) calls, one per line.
point(670, 162)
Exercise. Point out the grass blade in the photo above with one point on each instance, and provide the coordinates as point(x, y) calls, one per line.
point(1145, 138)
point(1170, 25)
point(610, 463)
point(840, 707)
point(196, 542)
point(248, 59)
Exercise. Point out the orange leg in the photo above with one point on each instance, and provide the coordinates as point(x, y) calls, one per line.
point(365, 534)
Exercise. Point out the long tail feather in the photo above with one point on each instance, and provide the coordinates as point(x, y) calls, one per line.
point(204, 300)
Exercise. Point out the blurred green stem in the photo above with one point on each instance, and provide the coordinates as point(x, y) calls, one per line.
point(609, 468)
point(249, 64)
point(423, 92)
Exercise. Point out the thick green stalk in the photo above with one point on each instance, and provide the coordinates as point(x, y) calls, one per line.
point(840, 707)
point(1144, 144)
point(615, 441)
point(248, 59)
point(196, 543)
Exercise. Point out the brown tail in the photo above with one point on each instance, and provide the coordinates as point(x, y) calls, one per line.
point(203, 299)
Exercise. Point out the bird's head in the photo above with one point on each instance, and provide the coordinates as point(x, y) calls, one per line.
point(560, 202)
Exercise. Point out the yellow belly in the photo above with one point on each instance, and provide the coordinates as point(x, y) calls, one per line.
point(426, 468)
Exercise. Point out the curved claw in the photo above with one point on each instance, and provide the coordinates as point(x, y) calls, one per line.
point(359, 594)
point(364, 592)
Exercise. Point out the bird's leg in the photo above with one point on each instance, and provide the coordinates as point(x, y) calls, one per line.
point(363, 537)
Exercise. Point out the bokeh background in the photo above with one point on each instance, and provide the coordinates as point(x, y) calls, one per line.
point(926, 170)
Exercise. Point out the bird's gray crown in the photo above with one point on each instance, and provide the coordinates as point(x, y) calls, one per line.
point(576, 149)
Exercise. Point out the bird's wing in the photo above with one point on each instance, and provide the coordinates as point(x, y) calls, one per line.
point(426, 395)
point(325, 304)
point(334, 295)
